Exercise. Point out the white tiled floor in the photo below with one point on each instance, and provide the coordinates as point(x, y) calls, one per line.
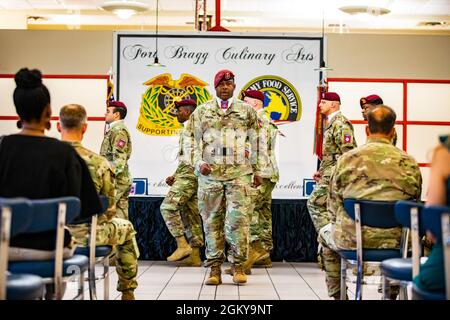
point(161, 280)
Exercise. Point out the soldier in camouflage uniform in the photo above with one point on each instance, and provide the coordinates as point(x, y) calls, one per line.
point(180, 206)
point(222, 127)
point(112, 231)
point(116, 148)
point(338, 138)
point(261, 220)
point(375, 171)
point(370, 102)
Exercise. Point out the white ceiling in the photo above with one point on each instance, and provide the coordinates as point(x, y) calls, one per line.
point(237, 15)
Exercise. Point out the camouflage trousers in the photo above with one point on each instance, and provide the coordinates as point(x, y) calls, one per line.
point(224, 207)
point(120, 234)
point(180, 210)
point(122, 192)
point(317, 206)
point(261, 216)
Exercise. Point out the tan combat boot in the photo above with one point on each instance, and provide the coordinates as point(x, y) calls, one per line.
point(215, 277)
point(239, 275)
point(256, 253)
point(183, 250)
point(193, 260)
point(263, 263)
point(128, 295)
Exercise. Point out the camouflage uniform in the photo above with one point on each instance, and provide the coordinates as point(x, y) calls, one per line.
point(224, 194)
point(338, 138)
point(261, 217)
point(375, 171)
point(180, 206)
point(116, 148)
point(110, 230)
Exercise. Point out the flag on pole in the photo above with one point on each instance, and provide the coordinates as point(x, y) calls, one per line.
point(110, 85)
point(320, 121)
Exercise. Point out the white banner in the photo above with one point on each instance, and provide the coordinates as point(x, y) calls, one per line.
point(282, 67)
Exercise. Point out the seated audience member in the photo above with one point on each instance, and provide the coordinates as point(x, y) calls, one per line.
point(111, 230)
point(375, 171)
point(432, 275)
point(37, 167)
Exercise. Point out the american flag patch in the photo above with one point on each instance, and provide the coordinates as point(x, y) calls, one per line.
point(121, 143)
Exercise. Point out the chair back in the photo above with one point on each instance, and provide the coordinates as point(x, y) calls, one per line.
point(431, 219)
point(377, 214)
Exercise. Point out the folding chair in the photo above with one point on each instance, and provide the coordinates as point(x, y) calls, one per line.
point(377, 214)
point(437, 220)
point(49, 215)
point(97, 254)
point(15, 217)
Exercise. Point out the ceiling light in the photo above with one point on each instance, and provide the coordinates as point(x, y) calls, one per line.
point(124, 9)
point(156, 61)
point(372, 11)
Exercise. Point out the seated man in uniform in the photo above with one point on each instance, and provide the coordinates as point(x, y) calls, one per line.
point(110, 230)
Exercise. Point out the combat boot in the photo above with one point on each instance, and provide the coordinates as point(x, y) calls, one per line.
point(183, 249)
point(263, 263)
point(215, 276)
point(256, 253)
point(193, 260)
point(128, 295)
point(239, 275)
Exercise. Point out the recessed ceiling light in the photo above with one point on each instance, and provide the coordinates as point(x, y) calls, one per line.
point(373, 11)
point(124, 9)
point(431, 23)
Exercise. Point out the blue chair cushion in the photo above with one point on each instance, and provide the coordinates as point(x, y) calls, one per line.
point(371, 254)
point(100, 251)
point(419, 294)
point(24, 287)
point(397, 268)
point(45, 268)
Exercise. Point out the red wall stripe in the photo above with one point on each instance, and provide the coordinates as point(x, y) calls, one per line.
point(65, 76)
point(386, 80)
point(52, 118)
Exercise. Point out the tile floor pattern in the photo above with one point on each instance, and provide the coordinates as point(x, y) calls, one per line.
point(161, 280)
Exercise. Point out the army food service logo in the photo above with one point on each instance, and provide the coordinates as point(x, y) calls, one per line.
point(281, 100)
point(156, 116)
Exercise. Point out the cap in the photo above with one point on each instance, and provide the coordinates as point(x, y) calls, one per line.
point(222, 75)
point(117, 104)
point(185, 102)
point(331, 96)
point(255, 94)
point(372, 99)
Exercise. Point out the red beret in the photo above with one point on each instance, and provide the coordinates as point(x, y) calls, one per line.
point(255, 94)
point(185, 102)
point(223, 75)
point(331, 96)
point(372, 99)
point(117, 104)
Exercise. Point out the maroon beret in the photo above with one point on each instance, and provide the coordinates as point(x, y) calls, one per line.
point(185, 102)
point(117, 104)
point(255, 94)
point(331, 96)
point(372, 99)
point(223, 75)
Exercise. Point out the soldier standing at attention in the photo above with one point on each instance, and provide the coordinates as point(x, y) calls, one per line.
point(222, 127)
point(375, 171)
point(180, 206)
point(110, 230)
point(338, 138)
point(116, 148)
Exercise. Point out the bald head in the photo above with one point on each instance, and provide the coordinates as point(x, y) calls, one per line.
point(72, 116)
point(381, 120)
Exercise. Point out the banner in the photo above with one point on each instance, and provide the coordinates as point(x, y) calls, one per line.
point(282, 67)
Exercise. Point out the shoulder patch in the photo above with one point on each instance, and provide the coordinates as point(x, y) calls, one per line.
point(347, 138)
point(121, 143)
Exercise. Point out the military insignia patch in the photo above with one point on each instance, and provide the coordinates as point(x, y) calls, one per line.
point(157, 116)
point(281, 99)
point(121, 143)
point(347, 138)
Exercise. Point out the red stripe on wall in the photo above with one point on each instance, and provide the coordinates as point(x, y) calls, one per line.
point(52, 118)
point(424, 164)
point(386, 80)
point(65, 76)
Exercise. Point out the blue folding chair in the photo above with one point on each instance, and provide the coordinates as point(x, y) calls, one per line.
point(97, 254)
point(376, 214)
point(49, 215)
point(404, 269)
point(436, 219)
point(15, 218)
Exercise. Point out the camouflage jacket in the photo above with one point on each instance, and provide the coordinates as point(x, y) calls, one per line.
point(338, 138)
point(116, 147)
point(102, 176)
point(268, 136)
point(220, 138)
point(375, 171)
point(185, 153)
